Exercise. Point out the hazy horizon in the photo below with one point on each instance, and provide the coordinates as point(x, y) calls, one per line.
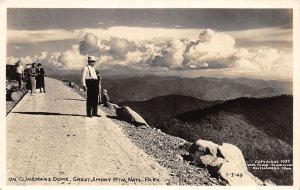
point(106, 75)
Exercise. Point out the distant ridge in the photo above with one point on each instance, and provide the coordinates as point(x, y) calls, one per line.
point(140, 88)
point(211, 89)
point(165, 107)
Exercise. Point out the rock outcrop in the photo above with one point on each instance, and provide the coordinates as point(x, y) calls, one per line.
point(111, 106)
point(127, 114)
point(225, 161)
point(72, 84)
point(234, 155)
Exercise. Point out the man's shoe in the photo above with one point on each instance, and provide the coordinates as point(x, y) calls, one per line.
point(89, 116)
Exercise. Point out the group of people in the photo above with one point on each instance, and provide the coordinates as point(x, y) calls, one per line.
point(33, 75)
point(91, 82)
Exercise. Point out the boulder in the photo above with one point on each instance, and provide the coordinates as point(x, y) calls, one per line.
point(112, 106)
point(179, 157)
point(212, 162)
point(217, 162)
point(207, 159)
point(72, 84)
point(127, 114)
point(234, 155)
point(201, 148)
point(15, 94)
point(234, 175)
point(226, 161)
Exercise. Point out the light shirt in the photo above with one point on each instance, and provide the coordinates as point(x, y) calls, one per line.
point(19, 69)
point(88, 72)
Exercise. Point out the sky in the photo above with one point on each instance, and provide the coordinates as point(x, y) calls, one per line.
point(254, 43)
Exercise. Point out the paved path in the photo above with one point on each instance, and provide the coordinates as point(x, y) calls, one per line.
point(50, 139)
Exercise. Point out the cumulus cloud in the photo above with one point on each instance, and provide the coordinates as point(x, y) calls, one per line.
point(171, 55)
point(267, 59)
point(209, 51)
point(11, 60)
point(118, 48)
point(89, 45)
point(70, 59)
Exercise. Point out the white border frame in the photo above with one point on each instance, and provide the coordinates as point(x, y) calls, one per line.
point(247, 4)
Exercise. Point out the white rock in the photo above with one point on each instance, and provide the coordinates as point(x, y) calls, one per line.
point(207, 159)
point(179, 157)
point(210, 160)
point(234, 155)
point(127, 114)
point(112, 106)
point(234, 175)
point(217, 162)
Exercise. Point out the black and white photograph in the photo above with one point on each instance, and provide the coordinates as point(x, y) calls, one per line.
point(159, 96)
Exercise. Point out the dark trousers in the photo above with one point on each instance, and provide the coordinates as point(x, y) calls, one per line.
point(92, 97)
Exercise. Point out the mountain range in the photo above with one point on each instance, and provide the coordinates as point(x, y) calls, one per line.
point(142, 88)
point(211, 89)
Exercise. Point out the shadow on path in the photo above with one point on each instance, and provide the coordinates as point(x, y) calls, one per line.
point(112, 116)
point(47, 113)
point(70, 99)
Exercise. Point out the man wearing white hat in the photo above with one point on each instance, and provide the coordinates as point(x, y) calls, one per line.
point(89, 81)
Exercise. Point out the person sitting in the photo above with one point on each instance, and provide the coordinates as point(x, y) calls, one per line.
point(105, 98)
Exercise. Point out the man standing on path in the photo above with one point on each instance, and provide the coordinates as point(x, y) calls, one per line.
point(20, 73)
point(90, 84)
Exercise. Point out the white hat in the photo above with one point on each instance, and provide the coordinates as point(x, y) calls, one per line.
point(91, 59)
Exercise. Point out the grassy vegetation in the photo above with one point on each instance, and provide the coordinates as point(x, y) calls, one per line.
point(261, 127)
point(273, 115)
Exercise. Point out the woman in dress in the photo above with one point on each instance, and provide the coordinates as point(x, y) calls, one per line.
point(32, 75)
point(40, 81)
